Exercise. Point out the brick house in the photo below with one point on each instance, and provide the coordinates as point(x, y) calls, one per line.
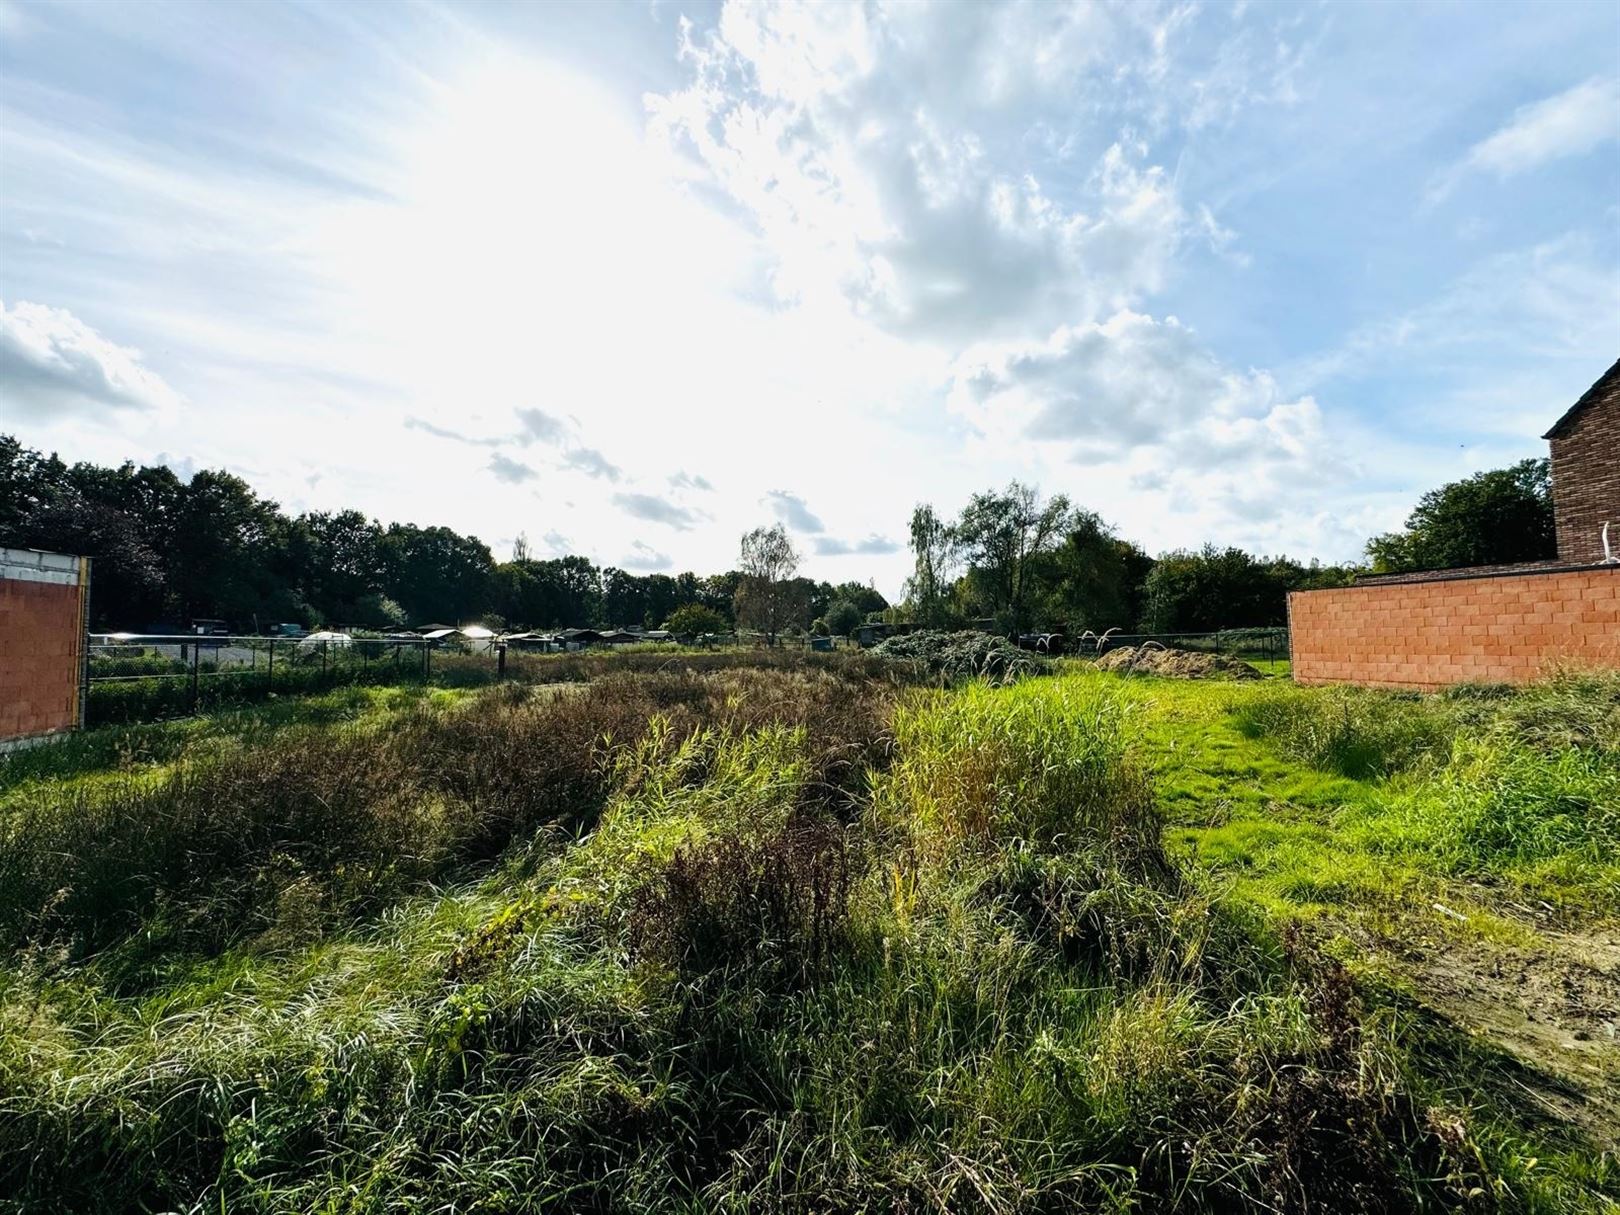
point(1586, 472)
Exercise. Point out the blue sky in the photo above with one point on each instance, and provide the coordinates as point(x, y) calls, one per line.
point(633, 278)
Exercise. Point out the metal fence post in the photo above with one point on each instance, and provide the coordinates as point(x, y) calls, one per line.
point(323, 661)
point(270, 668)
point(500, 662)
point(196, 662)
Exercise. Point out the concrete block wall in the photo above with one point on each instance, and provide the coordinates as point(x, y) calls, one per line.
point(42, 638)
point(1428, 635)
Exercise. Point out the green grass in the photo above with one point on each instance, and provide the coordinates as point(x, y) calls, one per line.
point(1390, 795)
point(739, 939)
point(102, 753)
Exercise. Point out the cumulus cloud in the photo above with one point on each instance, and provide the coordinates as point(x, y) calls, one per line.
point(657, 510)
point(827, 546)
point(791, 509)
point(513, 472)
point(1145, 398)
point(1570, 123)
point(645, 557)
point(1120, 383)
point(685, 480)
point(591, 462)
point(52, 361)
point(845, 134)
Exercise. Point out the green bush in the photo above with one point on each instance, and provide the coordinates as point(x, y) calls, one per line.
point(115, 666)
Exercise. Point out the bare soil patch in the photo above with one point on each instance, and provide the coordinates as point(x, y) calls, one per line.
point(1554, 1008)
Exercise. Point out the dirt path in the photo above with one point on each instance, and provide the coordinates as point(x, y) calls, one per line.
point(1554, 1008)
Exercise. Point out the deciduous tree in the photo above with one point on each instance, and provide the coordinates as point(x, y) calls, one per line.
point(768, 597)
point(1491, 518)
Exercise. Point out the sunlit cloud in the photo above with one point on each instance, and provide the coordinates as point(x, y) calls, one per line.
point(1164, 259)
point(50, 360)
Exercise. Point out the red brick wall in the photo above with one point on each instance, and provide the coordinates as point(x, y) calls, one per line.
point(1453, 630)
point(41, 644)
point(1586, 475)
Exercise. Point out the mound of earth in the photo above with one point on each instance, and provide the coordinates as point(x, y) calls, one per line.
point(1175, 664)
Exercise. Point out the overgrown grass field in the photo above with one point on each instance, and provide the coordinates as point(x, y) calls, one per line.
point(791, 935)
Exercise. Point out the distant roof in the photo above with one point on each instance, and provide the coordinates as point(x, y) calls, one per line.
point(435, 634)
point(1608, 385)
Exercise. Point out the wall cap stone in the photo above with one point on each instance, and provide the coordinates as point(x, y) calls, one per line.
point(1532, 570)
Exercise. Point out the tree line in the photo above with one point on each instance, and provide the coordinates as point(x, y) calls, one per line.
point(170, 550)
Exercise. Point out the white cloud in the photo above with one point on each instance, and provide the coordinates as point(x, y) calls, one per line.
point(914, 249)
point(52, 361)
point(445, 432)
point(657, 510)
point(872, 183)
point(1126, 382)
point(644, 557)
point(534, 426)
point(538, 426)
point(1570, 123)
point(591, 462)
point(1144, 407)
point(513, 472)
point(1544, 319)
point(792, 510)
point(873, 545)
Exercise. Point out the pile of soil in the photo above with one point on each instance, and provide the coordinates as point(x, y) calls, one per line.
point(1175, 664)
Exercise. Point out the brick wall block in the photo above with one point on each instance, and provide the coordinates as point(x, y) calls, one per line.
point(1426, 635)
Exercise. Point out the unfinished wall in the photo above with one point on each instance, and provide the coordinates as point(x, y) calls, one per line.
point(1455, 629)
point(43, 599)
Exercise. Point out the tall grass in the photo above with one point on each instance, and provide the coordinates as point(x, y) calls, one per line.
point(155, 699)
point(734, 941)
point(1355, 732)
point(336, 822)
